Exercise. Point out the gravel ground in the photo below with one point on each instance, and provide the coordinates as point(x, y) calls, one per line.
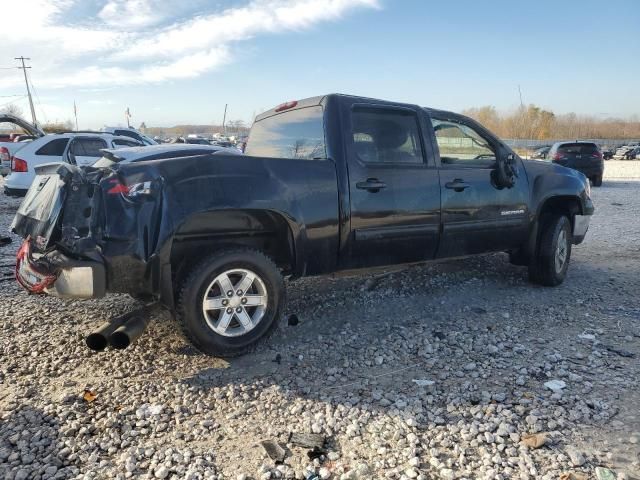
point(436, 371)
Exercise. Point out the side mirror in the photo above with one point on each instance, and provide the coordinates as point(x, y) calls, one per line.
point(506, 170)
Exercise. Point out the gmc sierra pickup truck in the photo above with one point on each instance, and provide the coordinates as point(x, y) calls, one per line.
point(327, 184)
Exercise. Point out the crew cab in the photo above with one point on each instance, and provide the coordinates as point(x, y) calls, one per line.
point(327, 184)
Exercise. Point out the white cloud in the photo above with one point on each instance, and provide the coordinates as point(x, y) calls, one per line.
point(121, 42)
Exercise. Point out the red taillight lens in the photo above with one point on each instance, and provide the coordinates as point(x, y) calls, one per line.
point(597, 155)
point(18, 165)
point(556, 156)
point(5, 155)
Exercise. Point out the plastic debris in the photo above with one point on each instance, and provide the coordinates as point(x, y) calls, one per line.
point(535, 440)
point(423, 383)
point(306, 440)
point(275, 451)
point(555, 385)
point(603, 473)
point(293, 320)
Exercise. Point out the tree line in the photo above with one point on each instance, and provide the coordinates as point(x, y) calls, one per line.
point(535, 123)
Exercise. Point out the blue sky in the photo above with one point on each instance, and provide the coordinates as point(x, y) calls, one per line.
point(180, 62)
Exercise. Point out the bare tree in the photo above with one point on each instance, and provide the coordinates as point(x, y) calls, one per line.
point(12, 109)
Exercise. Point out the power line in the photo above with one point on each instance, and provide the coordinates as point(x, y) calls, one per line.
point(26, 81)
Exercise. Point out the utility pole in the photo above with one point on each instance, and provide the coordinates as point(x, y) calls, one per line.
point(224, 118)
point(26, 81)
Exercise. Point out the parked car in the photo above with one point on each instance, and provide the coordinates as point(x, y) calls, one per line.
point(607, 153)
point(8, 147)
point(76, 148)
point(330, 183)
point(540, 153)
point(582, 156)
point(627, 152)
point(130, 132)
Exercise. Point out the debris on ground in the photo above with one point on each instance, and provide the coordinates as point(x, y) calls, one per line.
point(274, 450)
point(603, 473)
point(306, 440)
point(89, 396)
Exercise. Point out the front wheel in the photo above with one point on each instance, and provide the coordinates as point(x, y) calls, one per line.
point(550, 263)
point(230, 301)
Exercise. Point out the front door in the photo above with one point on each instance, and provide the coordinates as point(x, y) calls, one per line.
point(394, 187)
point(477, 214)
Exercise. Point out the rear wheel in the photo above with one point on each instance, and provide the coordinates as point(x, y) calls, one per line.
point(230, 301)
point(550, 263)
point(597, 181)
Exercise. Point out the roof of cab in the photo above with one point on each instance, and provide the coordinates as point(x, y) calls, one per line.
point(318, 100)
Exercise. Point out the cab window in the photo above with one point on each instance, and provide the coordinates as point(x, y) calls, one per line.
point(459, 144)
point(382, 135)
point(296, 134)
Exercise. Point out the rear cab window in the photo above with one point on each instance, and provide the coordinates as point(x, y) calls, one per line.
point(294, 134)
point(578, 149)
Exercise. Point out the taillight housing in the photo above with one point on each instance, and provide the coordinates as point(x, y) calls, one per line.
point(19, 165)
point(597, 154)
point(5, 155)
point(556, 157)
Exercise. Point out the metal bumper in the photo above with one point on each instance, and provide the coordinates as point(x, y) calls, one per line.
point(59, 275)
point(580, 227)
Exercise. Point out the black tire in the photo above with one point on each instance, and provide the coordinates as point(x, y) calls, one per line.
point(597, 181)
point(543, 269)
point(189, 310)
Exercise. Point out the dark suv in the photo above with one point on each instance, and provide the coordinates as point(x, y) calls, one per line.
point(585, 157)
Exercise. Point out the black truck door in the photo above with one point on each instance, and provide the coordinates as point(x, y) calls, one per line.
point(477, 215)
point(393, 185)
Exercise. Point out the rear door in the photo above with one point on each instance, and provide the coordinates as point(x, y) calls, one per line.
point(393, 185)
point(477, 215)
point(86, 150)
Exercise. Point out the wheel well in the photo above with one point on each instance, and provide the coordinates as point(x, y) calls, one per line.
point(563, 205)
point(204, 233)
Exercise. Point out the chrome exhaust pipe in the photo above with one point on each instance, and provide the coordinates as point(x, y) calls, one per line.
point(128, 332)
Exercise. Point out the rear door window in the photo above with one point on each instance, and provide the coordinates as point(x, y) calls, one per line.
point(54, 147)
point(296, 134)
point(88, 147)
point(383, 135)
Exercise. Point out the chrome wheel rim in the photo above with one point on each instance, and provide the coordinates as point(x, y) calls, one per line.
point(561, 251)
point(235, 302)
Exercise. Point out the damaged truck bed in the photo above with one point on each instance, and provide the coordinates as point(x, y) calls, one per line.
point(327, 184)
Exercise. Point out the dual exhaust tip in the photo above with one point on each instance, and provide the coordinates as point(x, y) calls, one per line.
point(120, 332)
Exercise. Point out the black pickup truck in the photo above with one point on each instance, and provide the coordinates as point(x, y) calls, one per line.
point(327, 184)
